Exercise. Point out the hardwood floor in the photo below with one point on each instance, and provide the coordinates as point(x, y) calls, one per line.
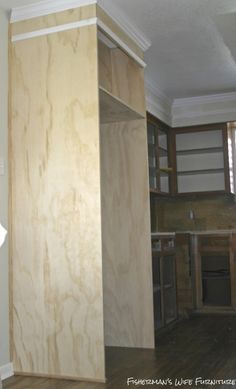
point(200, 347)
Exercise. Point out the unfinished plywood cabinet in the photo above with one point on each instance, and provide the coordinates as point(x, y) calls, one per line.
point(214, 270)
point(79, 195)
point(164, 279)
point(203, 159)
point(190, 160)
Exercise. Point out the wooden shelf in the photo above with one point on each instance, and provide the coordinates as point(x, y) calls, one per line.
point(219, 277)
point(214, 251)
point(164, 252)
point(112, 109)
point(162, 152)
point(157, 192)
point(199, 172)
point(166, 170)
point(209, 150)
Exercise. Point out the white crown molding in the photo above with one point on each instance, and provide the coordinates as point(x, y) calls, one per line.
point(126, 24)
point(120, 43)
point(156, 109)
point(156, 91)
point(47, 7)
point(204, 109)
point(6, 371)
point(201, 100)
point(214, 112)
point(158, 103)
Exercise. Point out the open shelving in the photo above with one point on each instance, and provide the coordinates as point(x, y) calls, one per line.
point(200, 151)
point(197, 172)
point(214, 269)
point(113, 109)
point(201, 159)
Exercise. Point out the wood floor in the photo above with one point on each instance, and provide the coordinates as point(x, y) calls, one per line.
point(200, 347)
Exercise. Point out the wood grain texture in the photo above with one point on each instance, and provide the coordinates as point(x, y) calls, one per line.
point(127, 270)
point(114, 110)
point(56, 212)
point(128, 81)
point(105, 66)
point(56, 19)
point(183, 275)
point(121, 76)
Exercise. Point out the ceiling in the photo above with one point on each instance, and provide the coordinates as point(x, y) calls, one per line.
point(193, 49)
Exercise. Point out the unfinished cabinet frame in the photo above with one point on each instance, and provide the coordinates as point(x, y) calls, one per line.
point(164, 279)
point(160, 147)
point(214, 268)
point(199, 159)
point(202, 159)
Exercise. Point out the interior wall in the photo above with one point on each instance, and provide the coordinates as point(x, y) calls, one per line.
point(217, 212)
point(4, 306)
point(127, 269)
point(56, 248)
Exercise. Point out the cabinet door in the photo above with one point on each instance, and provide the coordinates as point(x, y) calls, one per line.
point(153, 161)
point(157, 293)
point(169, 289)
point(158, 155)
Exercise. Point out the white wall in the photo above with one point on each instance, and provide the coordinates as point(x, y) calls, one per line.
point(4, 297)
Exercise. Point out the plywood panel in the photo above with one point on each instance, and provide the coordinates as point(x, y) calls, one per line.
point(128, 81)
point(122, 77)
point(113, 110)
point(127, 265)
point(57, 318)
point(105, 68)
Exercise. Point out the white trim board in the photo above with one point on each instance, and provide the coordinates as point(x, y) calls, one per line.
point(6, 371)
point(47, 7)
point(52, 30)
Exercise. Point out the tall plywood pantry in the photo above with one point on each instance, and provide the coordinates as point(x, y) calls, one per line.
point(80, 245)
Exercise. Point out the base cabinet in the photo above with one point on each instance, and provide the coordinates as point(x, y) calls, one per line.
point(214, 262)
point(164, 280)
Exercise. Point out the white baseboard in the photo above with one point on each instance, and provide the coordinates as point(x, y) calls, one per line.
point(6, 371)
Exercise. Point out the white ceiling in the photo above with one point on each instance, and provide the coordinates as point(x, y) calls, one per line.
point(193, 49)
